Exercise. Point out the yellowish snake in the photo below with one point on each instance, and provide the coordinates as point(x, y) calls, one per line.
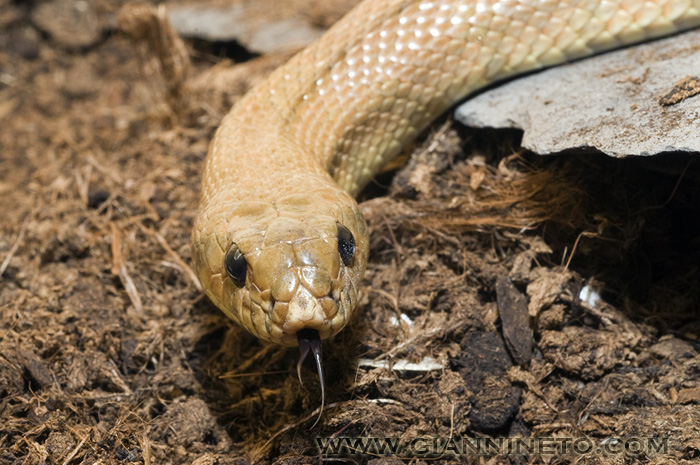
point(279, 243)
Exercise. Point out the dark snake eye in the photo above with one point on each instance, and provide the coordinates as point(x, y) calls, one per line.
point(236, 266)
point(346, 245)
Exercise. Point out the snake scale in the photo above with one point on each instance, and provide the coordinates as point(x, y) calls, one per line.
point(279, 243)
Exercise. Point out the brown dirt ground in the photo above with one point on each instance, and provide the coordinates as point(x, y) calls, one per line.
point(109, 353)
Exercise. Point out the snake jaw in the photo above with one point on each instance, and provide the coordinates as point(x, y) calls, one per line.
point(310, 340)
point(308, 310)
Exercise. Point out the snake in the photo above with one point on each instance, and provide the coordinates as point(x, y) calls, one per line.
point(279, 243)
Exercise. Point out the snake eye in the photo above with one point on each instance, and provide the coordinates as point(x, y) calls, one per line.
point(346, 245)
point(236, 265)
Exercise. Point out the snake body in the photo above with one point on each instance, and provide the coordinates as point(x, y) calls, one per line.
point(270, 243)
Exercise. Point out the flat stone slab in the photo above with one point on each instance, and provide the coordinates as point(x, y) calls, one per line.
point(260, 26)
point(634, 101)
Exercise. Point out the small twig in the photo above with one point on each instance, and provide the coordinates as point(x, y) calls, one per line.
point(119, 269)
point(184, 267)
point(673, 192)
point(15, 246)
point(294, 425)
point(397, 246)
point(75, 451)
point(394, 300)
point(146, 447)
point(250, 361)
point(595, 397)
point(573, 249)
point(256, 373)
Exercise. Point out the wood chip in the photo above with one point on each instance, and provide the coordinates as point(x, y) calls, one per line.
point(515, 321)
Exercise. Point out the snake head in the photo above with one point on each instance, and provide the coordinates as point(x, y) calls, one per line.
point(283, 266)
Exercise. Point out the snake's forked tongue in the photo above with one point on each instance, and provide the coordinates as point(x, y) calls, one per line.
point(310, 340)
